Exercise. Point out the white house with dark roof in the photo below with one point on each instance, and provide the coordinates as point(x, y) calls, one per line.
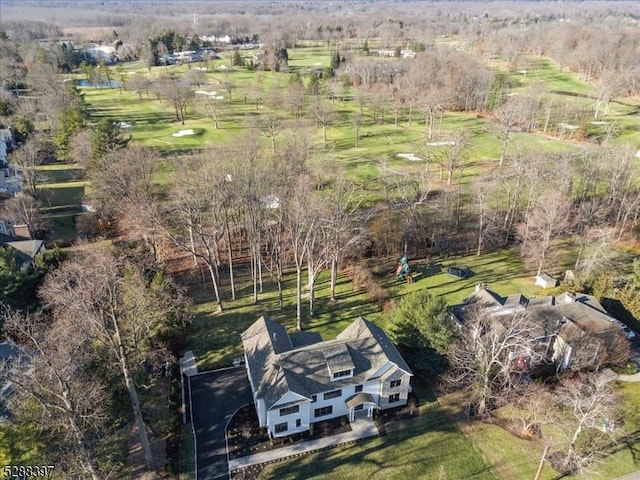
point(299, 379)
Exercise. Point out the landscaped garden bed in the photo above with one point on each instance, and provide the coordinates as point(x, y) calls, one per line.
point(245, 437)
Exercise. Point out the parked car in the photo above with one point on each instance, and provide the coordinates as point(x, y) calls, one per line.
point(628, 332)
point(460, 272)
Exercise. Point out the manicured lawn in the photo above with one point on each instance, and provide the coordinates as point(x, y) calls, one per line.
point(153, 121)
point(215, 337)
point(430, 446)
point(62, 190)
point(625, 460)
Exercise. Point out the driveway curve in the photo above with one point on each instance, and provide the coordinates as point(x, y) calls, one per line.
point(215, 396)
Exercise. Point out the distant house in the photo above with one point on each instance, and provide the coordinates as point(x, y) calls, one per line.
point(10, 174)
point(386, 53)
point(97, 53)
point(571, 329)
point(12, 359)
point(299, 379)
point(216, 39)
point(26, 251)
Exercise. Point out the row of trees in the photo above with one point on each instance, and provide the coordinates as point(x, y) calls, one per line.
point(224, 197)
point(110, 324)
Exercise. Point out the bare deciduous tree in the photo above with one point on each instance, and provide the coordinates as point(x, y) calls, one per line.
point(195, 219)
point(482, 362)
point(588, 406)
point(67, 400)
point(300, 222)
point(324, 113)
point(123, 317)
point(88, 292)
point(24, 209)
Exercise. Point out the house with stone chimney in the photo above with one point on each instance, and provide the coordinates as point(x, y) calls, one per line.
point(574, 331)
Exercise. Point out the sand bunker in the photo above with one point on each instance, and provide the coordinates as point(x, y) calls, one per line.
point(638, 154)
point(409, 156)
point(183, 133)
point(441, 144)
point(209, 94)
point(568, 126)
point(123, 125)
point(223, 67)
point(599, 122)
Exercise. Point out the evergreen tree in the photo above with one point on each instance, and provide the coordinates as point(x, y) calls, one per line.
point(17, 288)
point(106, 136)
point(335, 60)
point(421, 325)
point(314, 84)
point(71, 122)
point(365, 47)
point(236, 59)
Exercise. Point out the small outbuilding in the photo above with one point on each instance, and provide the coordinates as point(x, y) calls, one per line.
point(545, 281)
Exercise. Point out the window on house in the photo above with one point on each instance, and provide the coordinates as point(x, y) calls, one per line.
point(396, 383)
point(342, 373)
point(358, 388)
point(281, 427)
point(333, 394)
point(321, 412)
point(298, 422)
point(289, 410)
point(394, 398)
point(314, 398)
point(359, 407)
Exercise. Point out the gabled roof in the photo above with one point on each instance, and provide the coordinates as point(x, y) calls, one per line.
point(565, 315)
point(276, 366)
point(31, 248)
point(25, 250)
point(338, 358)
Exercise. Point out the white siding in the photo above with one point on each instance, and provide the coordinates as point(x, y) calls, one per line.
point(274, 418)
point(262, 412)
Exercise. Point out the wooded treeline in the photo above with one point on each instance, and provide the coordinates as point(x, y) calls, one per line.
point(271, 202)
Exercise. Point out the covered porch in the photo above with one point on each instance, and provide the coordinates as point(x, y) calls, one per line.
point(360, 403)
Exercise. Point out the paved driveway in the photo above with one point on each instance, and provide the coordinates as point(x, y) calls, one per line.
point(215, 396)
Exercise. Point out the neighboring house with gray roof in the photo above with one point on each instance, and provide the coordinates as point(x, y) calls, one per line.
point(12, 361)
point(299, 379)
point(26, 251)
point(573, 329)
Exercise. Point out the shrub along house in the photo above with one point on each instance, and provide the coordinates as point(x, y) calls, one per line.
point(299, 379)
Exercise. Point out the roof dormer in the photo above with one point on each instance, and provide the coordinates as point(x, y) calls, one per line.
point(339, 362)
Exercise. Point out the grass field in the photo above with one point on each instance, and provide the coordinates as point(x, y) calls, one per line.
point(62, 191)
point(430, 446)
point(215, 337)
